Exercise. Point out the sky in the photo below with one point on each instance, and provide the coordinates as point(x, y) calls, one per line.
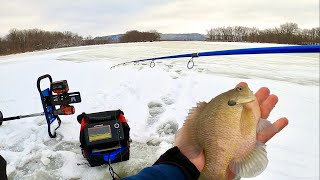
point(106, 17)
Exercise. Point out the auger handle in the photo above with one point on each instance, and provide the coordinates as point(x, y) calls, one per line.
point(18, 117)
point(1, 118)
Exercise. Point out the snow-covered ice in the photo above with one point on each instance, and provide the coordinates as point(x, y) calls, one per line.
point(155, 102)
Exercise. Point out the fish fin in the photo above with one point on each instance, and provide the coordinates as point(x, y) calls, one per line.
point(201, 104)
point(187, 145)
point(252, 164)
point(193, 112)
point(236, 177)
point(262, 124)
point(245, 124)
point(185, 137)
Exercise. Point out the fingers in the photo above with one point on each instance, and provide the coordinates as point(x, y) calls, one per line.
point(199, 161)
point(262, 94)
point(266, 134)
point(267, 106)
point(280, 124)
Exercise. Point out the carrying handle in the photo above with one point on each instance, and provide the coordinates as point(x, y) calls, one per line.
point(41, 78)
point(44, 107)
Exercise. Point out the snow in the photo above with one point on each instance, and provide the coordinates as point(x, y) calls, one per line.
point(155, 101)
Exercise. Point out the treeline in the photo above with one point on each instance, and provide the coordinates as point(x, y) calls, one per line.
point(288, 33)
point(136, 36)
point(19, 41)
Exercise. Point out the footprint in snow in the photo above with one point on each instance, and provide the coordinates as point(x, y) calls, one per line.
point(154, 141)
point(167, 99)
point(169, 127)
point(155, 109)
point(151, 120)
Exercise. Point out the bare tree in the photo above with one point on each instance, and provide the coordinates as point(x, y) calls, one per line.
point(18, 41)
point(287, 33)
point(136, 36)
point(289, 28)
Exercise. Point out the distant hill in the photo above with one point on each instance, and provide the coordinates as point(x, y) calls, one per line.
point(183, 37)
point(112, 38)
point(163, 37)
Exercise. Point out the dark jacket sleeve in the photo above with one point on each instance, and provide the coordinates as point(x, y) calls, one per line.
point(3, 166)
point(171, 165)
point(159, 172)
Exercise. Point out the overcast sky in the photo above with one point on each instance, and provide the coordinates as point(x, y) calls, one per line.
point(106, 17)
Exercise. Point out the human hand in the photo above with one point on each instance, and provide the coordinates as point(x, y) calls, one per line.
point(267, 102)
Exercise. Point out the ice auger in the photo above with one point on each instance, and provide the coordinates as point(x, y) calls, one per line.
point(55, 100)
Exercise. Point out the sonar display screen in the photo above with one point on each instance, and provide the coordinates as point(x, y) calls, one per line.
point(99, 133)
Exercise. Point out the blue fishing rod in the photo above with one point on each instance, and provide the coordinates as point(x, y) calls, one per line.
point(262, 50)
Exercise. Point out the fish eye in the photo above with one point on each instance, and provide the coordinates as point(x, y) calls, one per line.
point(239, 88)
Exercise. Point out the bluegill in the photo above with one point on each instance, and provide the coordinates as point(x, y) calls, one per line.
point(225, 129)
